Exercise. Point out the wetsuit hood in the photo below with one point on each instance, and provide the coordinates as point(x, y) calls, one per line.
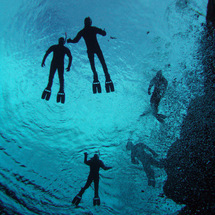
point(87, 22)
point(61, 41)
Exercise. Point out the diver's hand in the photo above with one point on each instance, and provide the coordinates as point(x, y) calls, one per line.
point(68, 69)
point(43, 64)
point(69, 40)
point(85, 153)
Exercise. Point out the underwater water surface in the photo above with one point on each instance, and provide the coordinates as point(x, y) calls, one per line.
point(42, 143)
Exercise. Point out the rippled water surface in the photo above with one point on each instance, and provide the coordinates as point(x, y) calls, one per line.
point(42, 143)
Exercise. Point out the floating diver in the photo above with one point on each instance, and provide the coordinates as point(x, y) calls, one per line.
point(160, 85)
point(59, 52)
point(89, 34)
point(95, 165)
point(147, 159)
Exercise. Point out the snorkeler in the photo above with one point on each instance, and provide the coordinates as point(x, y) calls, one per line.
point(89, 34)
point(59, 51)
point(160, 85)
point(147, 159)
point(95, 165)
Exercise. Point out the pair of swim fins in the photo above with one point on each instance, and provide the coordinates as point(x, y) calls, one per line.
point(108, 86)
point(60, 96)
point(77, 199)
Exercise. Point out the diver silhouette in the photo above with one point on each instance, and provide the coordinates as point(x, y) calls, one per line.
point(89, 34)
point(59, 52)
point(95, 163)
point(160, 85)
point(147, 159)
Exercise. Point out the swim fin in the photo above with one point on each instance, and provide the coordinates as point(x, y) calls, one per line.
point(96, 87)
point(61, 97)
point(96, 201)
point(109, 86)
point(46, 94)
point(76, 200)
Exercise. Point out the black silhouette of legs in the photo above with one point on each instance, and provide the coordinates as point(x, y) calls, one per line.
point(61, 78)
point(155, 100)
point(92, 64)
point(88, 183)
point(53, 69)
point(96, 186)
point(147, 163)
point(150, 174)
point(104, 66)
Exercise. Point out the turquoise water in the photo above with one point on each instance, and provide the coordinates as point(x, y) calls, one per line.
point(42, 143)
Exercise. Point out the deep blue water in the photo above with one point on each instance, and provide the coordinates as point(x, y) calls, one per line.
point(42, 143)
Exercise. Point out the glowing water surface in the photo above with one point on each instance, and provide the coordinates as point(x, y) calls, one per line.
point(42, 143)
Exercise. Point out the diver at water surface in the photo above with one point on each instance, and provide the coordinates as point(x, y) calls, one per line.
point(138, 152)
point(59, 52)
point(95, 164)
point(89, 33)
point(159, 83)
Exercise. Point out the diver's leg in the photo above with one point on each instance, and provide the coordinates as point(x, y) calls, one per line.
point(96, 84)
point(104, 66)
point(155, 101)
point(108, 83)
point(78, 197)
point(61, 94)
point(150, 174)
point(92, 64)
point(88, 183)
point(61, 78)
point(96, 199)
point(51, 76)
point(96, 186)
point(47, 92)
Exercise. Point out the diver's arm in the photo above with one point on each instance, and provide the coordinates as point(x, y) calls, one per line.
point(133, 159)
point(105, 167)
point(150, 86)
point(46, 55)
point(100, 31)
point(70, 60)
point(76, 39)
point(85, 158)
point(152, 151)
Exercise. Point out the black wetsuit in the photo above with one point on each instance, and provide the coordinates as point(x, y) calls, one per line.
point(138, 151)
point(160, 85)
point(59, 51)
point(95, 165)
point(89, 34)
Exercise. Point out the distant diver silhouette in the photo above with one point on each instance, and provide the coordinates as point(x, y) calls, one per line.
point(95, 163)
point(147, 159)
point(160, 86)
point(89, 34)
point(59, 51)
